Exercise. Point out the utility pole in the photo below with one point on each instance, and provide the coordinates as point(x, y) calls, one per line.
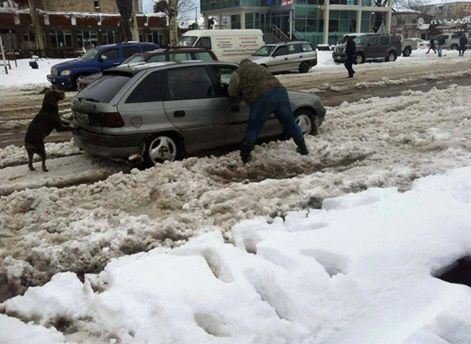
point(135, 28)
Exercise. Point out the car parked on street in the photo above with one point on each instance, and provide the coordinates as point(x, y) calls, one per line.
point(452, 40)
point(162, 111)
point(286, 56)
point(64, 75)
point(158, 55)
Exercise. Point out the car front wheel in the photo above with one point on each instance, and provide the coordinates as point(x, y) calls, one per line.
point(391, 56)
point(407, 51)
point(307, 121)
point(161, 148)
point(304, 67)
point(359, 59)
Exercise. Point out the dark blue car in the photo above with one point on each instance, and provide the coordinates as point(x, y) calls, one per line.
point(64, 75)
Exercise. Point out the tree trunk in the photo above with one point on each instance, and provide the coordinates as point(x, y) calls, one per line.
point(135, 28)
point(173, 27)
point(38, 29)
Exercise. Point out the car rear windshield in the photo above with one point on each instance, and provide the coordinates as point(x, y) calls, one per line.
point(104, 89)
point(136, 58)
point(264, 51)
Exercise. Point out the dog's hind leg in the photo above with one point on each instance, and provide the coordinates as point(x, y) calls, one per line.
point(43, 159)
point(30, 159)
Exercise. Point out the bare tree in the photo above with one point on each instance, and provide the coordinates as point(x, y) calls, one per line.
point(175, 10)
point(38, 28)
point(125, 11)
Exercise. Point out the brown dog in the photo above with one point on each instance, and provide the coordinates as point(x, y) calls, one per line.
point(41, 126)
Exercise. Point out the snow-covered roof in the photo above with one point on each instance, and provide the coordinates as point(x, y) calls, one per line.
point(440, 2)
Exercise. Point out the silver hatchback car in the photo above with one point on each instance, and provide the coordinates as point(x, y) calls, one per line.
point(286, 56)
point(163, 111)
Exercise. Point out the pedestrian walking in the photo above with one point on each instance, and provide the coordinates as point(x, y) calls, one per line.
point(463, 42)
point(432, 46)
point(350, 51)
point(265, 95)
point(440, 42)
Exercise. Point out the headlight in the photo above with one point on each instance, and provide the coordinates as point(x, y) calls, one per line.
point(65, 72)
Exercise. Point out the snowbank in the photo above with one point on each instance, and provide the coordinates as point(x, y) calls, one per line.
point(359, 270)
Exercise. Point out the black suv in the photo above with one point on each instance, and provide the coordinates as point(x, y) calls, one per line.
point(157, 55)
point(377, 47)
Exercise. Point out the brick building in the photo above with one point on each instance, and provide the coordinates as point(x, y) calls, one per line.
point(69, 26)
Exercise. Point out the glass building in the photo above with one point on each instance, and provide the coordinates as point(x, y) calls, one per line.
point(317, 21)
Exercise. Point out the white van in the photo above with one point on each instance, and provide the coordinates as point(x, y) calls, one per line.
point(227, 45)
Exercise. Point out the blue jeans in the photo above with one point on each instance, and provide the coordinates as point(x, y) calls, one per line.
point(440, 50)
point(274, 101)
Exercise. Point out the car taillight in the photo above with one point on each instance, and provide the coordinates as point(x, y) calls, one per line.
point(111, 120)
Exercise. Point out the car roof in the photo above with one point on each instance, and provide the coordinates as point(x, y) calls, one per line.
point(104, 46)
point(134, 69)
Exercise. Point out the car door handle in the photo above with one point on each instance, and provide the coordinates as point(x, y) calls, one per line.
point(301, 56)
point(235, 108)
point(286, 58)
point(180, 113)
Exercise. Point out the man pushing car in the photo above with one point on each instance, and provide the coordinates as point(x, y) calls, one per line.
point(265, 95)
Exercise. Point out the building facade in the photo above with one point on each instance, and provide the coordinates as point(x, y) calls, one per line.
point(67, 27)
point(451, 10)
point(409, 23)
point(317, 21)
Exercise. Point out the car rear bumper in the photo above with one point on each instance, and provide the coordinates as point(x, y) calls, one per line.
point(61, 82)
point(120, 147)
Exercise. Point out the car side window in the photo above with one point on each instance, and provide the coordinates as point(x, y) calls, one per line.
point(110, 54)
point(281, 51)
point(179, 57)
point(189, 83)
point(222, 77)
point(204, 42)
point(384, 40)
point(306, 47)
point(130, 50)
point(203, 56)
point(373, 41)
point(293, 48)
point(148, 47)
point(148, 90)
point(158, 58)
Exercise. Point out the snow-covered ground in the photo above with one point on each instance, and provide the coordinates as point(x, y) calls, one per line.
point(289, 254)
point(359, 270)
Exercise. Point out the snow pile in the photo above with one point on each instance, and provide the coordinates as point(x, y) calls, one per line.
point(13, 155)
point(359, 270)
point(375, 142)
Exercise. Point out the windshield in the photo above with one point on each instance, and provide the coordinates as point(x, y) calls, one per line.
point(136, 58)
point(104, 89)
point(90, 54)
point(264, 51)
point(186, 41)
point(360, 40)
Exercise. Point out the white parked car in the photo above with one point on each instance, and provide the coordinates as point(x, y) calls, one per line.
point(286, 56)
point(421, 43)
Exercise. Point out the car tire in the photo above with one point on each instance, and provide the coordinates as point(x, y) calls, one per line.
point(454, 47)
point(307, 121)
point(391, 56)
point(407, 51)
point(359, 59)
point(304, 67)
point(160, 148)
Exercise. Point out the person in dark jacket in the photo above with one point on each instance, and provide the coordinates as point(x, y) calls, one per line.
point(350, 51)
point(463, 42)
point(265, 95)
point(432, 46)
point(440, 42)
point(41, 126)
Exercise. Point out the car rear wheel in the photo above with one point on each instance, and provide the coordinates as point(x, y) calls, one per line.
point(307, 121)
point(391, 56)
point(454, 47)
point(304, 67)
point(161, 148)
point(407, 51)
point(359, 59)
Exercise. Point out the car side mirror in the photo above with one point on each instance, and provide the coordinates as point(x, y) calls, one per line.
point(102, 58)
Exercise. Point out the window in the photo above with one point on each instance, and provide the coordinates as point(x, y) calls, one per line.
point(293, 48)
point(96, 4)
point(158, 58)
point(130, 50)
point(111, 54)
point(179, 57)
point(105, 88)
point(384, 40)
point(61, 39)
point(204, 42)
point(281, 51)
point(148, 90)
point(306, 47)
point(222, 77)
point(148, 47)
point(189, 83)
point(203, 56)
point(373, 41)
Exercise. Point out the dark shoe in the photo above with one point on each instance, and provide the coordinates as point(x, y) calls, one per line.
point(350, 76)
point(302, 150)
